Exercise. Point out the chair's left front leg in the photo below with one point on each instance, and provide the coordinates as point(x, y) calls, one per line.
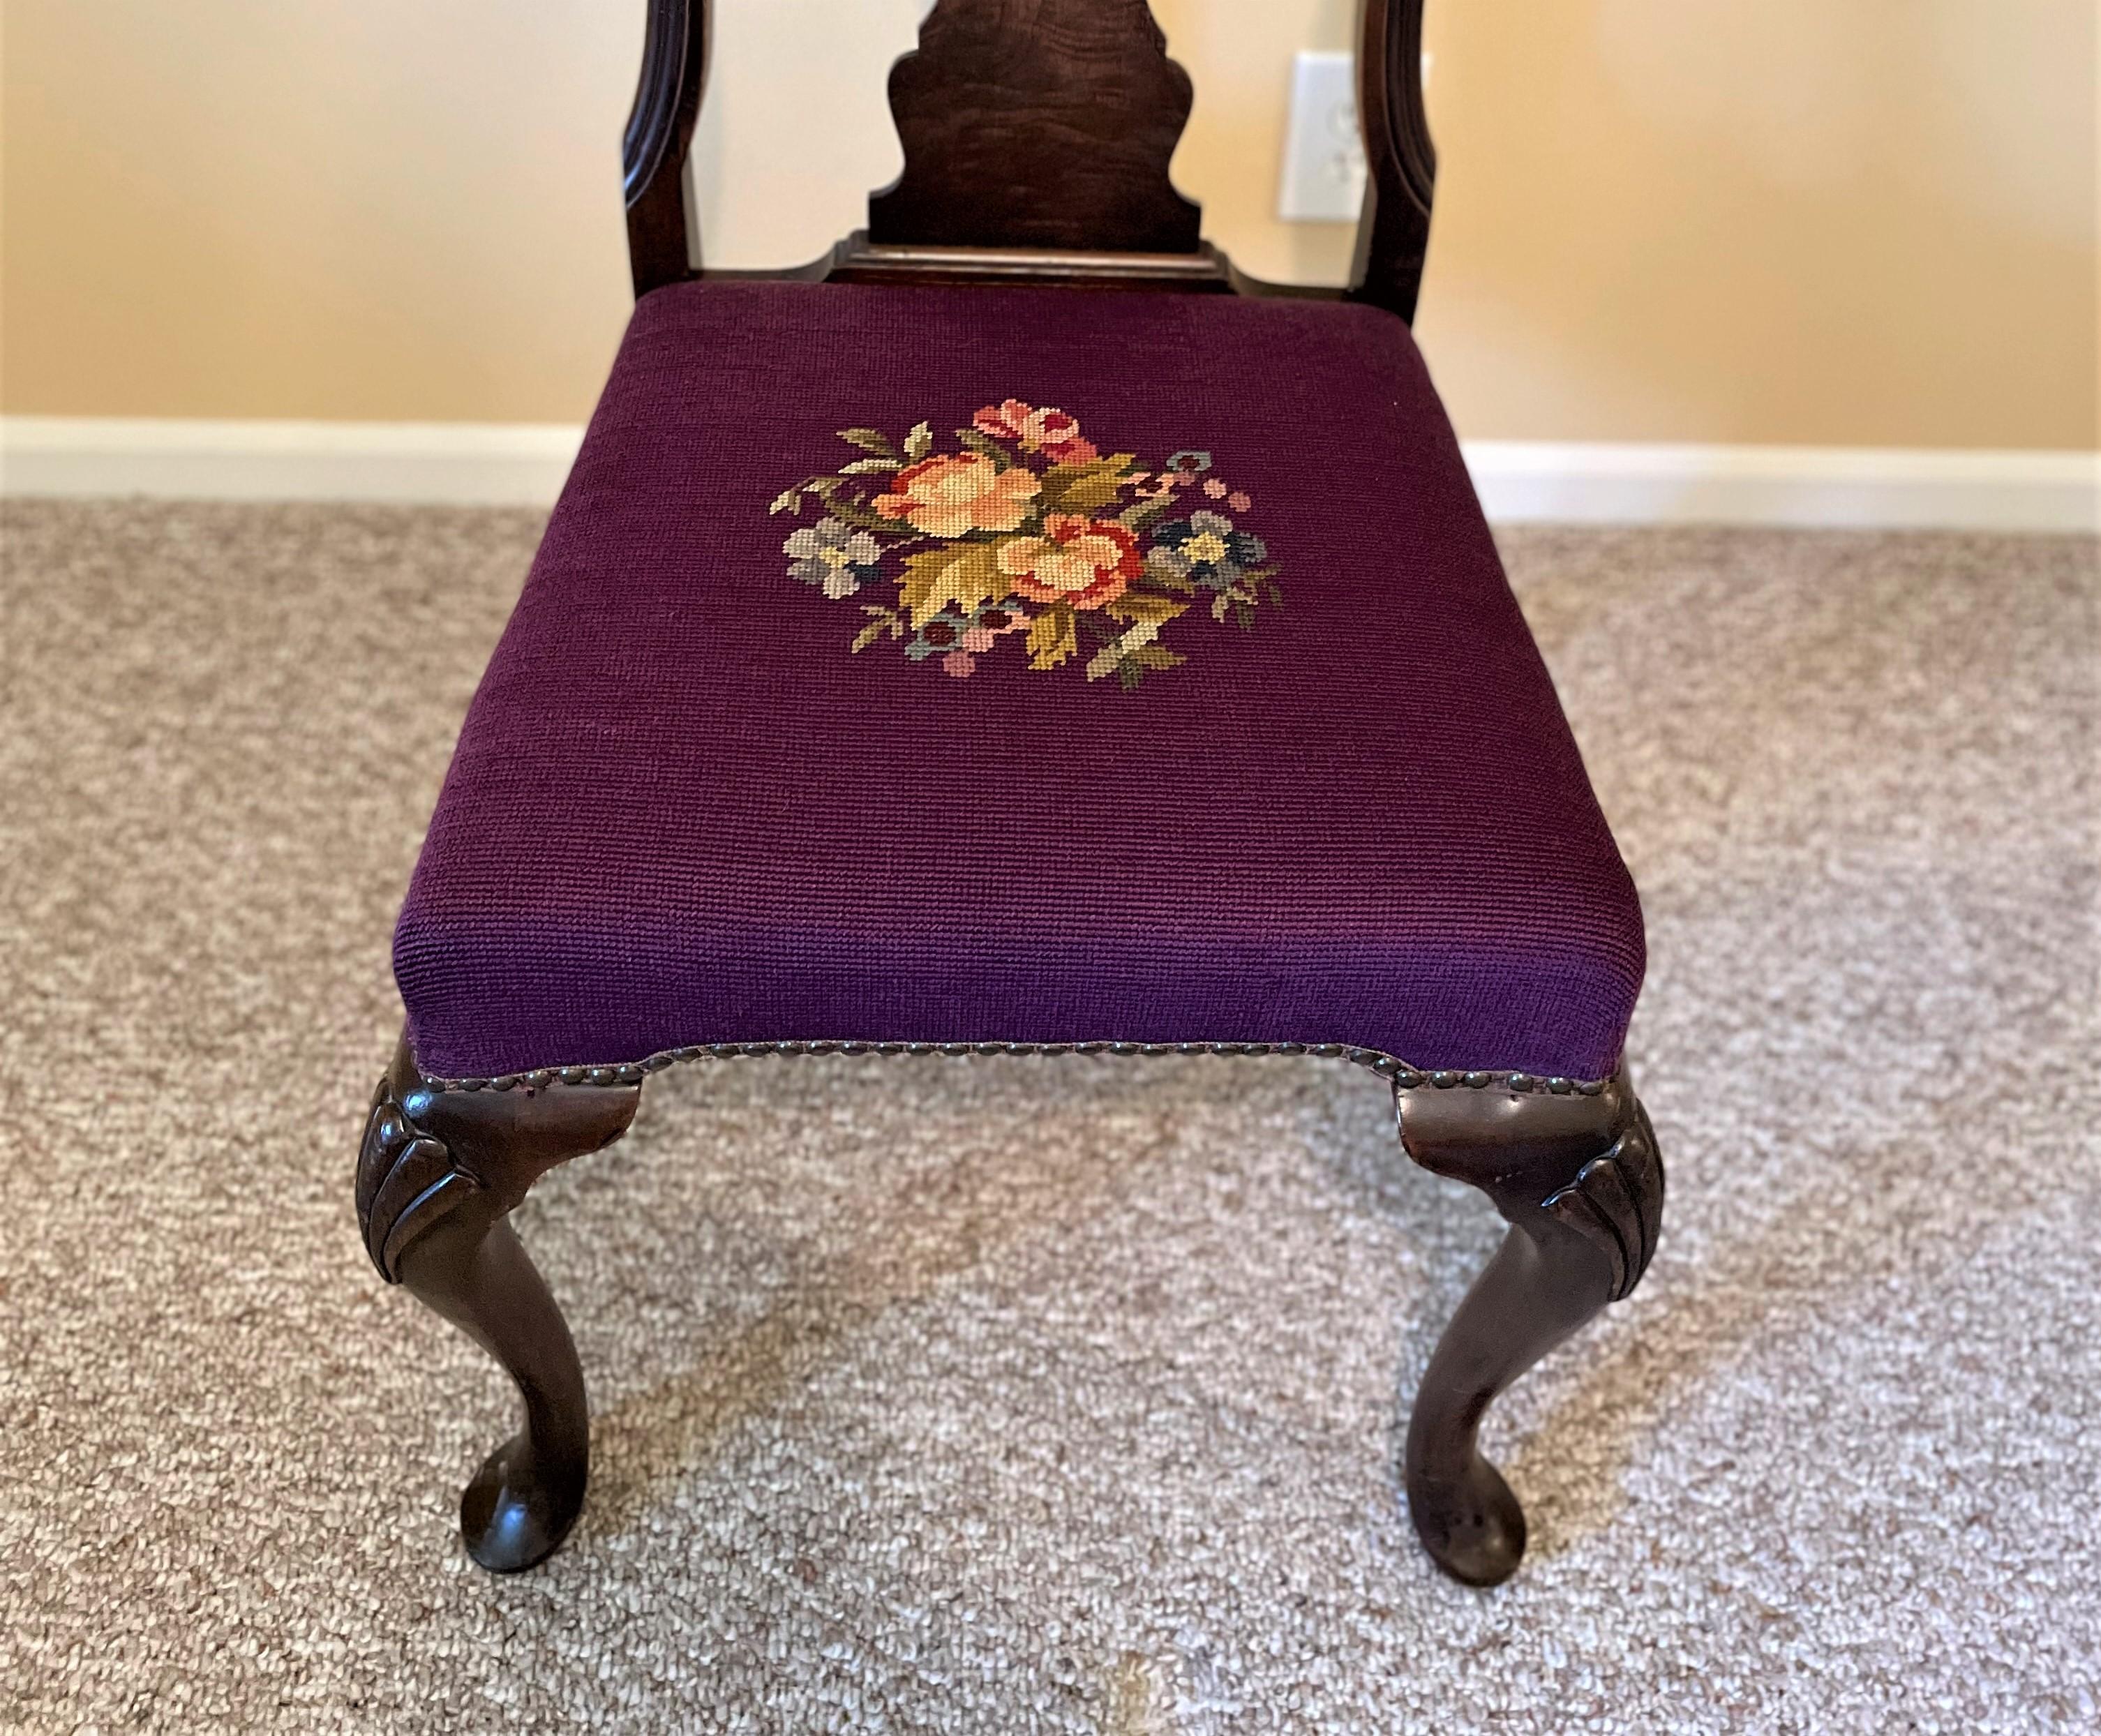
point(1577, 1176)
point(438, 1177)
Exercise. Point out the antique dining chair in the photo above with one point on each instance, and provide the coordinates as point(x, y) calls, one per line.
point(1019, 632)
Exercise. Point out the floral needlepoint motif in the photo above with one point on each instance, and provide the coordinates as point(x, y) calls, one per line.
point(1027, 533)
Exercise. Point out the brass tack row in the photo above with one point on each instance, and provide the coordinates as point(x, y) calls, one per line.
point(1405, 1078)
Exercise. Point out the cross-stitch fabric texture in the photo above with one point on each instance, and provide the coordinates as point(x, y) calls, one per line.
point(1025, 527)
point(1182, 701)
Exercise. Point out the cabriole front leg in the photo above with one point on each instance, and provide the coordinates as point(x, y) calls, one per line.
point(1578, 1176)
point(438, 1177)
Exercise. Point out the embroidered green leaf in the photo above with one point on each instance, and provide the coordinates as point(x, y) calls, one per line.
point(963, 576)
point(850, 511)
point(871, 439)
point(1086, 487)
point(1147, 606)
point(1051, 638)
point(1113, 656)
point(1136, 518)
point(886, 621)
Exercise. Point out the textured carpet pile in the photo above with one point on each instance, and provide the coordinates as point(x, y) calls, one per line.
point(1034, 1395)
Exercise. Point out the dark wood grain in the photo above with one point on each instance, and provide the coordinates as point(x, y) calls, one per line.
point(1393, 235)
point(858, 260)
point(1572, 1167)
point(1579, 1179)
point(1038, 123)
point(1039, 131)
point(663, 240)
point(439, 1174)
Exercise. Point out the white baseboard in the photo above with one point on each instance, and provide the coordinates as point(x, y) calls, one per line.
point(1520, 481)
point(468, 464)
point(1854, 487)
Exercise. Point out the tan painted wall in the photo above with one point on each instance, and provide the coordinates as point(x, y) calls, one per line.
point(1843, 221)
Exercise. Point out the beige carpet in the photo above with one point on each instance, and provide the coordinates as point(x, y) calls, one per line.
point(1057, 1396)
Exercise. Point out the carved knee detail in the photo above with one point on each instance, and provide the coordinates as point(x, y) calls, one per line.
point(1616, 1203)
point(1585, 1160)
point(1577, 1175)
point(428, 1151)
point(406, 1181)
point(438, 1173)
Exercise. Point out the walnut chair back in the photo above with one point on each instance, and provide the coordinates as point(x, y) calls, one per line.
point(1037, 136)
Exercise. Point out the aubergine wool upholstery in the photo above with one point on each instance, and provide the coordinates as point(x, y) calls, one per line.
point(1332, 800)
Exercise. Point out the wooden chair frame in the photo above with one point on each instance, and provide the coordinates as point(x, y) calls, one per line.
point(1571, 1164)
point(1008, 85)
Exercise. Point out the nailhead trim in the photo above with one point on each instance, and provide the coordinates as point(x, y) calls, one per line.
point(1405, 1077)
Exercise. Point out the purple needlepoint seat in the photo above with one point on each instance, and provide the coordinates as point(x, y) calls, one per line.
point(925, 665)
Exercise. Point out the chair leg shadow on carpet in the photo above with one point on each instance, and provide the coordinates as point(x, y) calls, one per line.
point(1571, 1468)
point(900, 1253)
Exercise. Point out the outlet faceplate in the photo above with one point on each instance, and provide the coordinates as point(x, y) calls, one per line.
point(1324, 152)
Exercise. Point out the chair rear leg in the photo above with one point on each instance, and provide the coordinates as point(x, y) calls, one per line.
point(438, 1176)
point(1577, 1175)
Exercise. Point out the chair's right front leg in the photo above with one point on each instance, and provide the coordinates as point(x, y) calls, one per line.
point(1577, 1176)
point(439, 1175)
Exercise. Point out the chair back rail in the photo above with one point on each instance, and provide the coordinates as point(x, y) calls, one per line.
point(1037, 135)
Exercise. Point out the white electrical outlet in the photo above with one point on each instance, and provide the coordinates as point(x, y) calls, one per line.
point(1324, 152)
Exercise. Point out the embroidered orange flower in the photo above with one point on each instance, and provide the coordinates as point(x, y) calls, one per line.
point(1083, 562)
point(1051, 432)
point(1024, 548)
point(958, 493)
